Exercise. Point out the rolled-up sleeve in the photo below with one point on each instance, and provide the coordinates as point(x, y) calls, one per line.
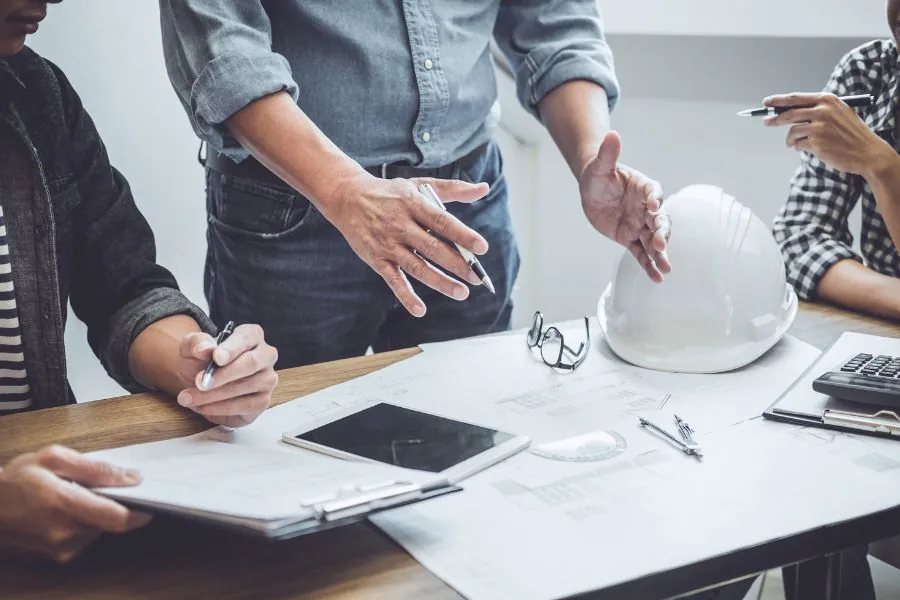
point(551, 42)
point(812, 228)
point(219, 58)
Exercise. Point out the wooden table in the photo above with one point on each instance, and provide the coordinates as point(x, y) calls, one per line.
point(173, 560)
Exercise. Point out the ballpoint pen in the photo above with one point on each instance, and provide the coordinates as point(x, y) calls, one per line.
point(687, 433)
point(854, 101)
point(470, 258)
point(211, 367)
point(687, 449)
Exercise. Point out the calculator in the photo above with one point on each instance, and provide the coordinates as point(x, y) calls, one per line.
point(865, 378)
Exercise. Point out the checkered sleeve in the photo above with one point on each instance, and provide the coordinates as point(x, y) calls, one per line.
point(812, 227)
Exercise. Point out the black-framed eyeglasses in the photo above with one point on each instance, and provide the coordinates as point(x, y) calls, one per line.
point(554, 351)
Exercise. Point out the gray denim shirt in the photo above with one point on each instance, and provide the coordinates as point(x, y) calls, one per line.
point(74, 233)
point(389, 80)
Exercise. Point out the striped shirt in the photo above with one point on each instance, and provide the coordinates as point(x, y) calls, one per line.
point(15, 393)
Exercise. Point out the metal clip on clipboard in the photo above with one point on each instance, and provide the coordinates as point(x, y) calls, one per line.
point(355, 500)
point(883, 421)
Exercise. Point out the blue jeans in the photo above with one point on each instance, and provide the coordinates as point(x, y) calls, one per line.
point(273, 259)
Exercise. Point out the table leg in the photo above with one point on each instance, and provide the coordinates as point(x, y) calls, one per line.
point(816, 579)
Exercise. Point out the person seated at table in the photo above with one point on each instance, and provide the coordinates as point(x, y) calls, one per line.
point(70, 230)
point(847, 157)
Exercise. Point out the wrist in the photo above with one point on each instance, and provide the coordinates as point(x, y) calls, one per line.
point(883, 161)
point(328, 185)
point(336, 189)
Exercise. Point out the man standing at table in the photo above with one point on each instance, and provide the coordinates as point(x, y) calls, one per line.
point(320, 117)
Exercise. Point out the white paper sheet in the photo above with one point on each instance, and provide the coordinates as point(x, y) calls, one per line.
point(512, 536)
point(498, 381)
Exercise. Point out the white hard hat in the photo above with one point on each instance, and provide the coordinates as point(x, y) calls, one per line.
point(725, 303)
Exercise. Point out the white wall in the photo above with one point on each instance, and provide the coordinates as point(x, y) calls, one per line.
point(111, 51)
point(678, 124)
point(793, 18)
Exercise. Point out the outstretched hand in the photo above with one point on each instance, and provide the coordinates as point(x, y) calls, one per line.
point(626, 206)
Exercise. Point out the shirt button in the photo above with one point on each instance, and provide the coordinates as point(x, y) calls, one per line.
point(426, 137)
point(428, 64)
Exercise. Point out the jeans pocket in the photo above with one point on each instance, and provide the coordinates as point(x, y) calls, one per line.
point(255, 210)
point(488, 169)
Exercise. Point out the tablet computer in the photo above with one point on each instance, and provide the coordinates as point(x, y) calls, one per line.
point(409, 438)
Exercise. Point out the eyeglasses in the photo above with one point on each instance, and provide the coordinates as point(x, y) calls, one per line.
point(554, 351)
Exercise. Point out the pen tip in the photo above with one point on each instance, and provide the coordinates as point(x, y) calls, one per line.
point(489, 285)
point(743, 113)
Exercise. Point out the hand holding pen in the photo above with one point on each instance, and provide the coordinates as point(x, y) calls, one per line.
point(830, 128)
point(231, 376)
point(470, 258)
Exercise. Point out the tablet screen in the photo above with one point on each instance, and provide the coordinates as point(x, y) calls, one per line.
point(406, 438)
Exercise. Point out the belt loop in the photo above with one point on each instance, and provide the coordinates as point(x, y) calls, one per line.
point(384, 168)
point(200, 156)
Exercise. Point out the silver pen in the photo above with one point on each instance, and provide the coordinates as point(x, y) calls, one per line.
point(687, 449)
point(470, 258)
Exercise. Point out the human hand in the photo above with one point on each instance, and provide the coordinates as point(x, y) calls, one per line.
point(826, 127)
point(45, 511)
point(241, 387)
point(388, 225)
point(626, 206)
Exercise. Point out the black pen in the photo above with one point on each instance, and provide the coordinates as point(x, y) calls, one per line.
point(211, 367)
point(854, 101)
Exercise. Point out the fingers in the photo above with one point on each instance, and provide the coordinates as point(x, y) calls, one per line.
point(796, 115)
point(655, 270)
point(639, 252)
point(236, 406)
point(660, 224)
point(804, 145)
point(609, 153)
point(454, 190)
point(248, 363)
point(244, 339)
point(435, 250)
point(654, 194)
point(794, 100)
point(400, 286)
point(197, 345)
point(419, 269)
point(263, 381)
point(96, 511)
point(447, 226)
point(74, 466)
point(799, 132)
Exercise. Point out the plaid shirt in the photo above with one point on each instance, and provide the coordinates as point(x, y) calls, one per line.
point(812, 228)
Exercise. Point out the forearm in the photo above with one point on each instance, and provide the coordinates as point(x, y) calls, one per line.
point(855, 286)
point(577, 116)
point(884, 179)
point(282, 137)
point(154, 356)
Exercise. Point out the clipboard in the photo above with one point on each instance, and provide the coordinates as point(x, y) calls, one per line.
point(801, 405)
point(329, 513)
point(345, 507)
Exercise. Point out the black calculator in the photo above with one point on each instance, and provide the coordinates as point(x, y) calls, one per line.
point(865, 378)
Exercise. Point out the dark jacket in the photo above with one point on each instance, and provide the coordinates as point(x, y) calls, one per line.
point(74, 232)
